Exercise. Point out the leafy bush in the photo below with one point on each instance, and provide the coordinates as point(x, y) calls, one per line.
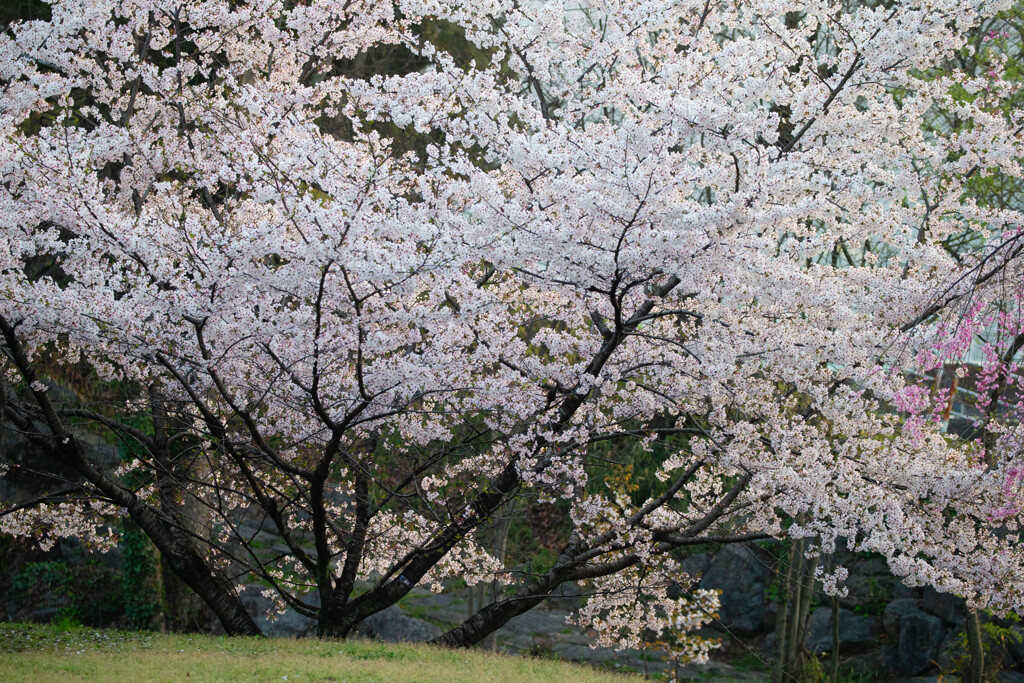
point(137, 572)
point(82, 591)
point(66, 591)
point(996, 637)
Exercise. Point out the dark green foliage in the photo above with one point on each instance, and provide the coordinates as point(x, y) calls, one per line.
point(628, 467)
point(997, 634)
point(750, 662)
point(138, 569)
point(879, 596)
point(76, 590)
point(66, 592)
point(535, 537)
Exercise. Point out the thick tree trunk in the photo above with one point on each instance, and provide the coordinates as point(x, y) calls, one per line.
point(216, 591)
point(183, 610)
point(332, 625)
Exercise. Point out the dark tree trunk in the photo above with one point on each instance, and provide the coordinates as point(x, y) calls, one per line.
point(975, 649)
point(215, 590)
point(183, 610)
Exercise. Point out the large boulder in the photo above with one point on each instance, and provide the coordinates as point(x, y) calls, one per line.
point(567, 596)
point(894, 611)
point(945, 606)
point(695, 565)
point(949, 651)
point(856, 632)
point(394, 626)
point(916, 635)
point(742, 578)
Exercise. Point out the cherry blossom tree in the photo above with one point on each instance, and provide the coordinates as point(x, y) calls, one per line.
point(373, 310)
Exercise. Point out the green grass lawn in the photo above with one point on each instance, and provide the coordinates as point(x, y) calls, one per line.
point(30, 652)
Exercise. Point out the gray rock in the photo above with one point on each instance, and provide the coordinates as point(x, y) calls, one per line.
point(917, 644)
point(394, 626)
point(949, 650)
point(856, 632)
point(896, 609)
point(870, 586)
point(1010, 677)
point(742, 578)
point(566, 596)
point(864, 667)
point(291, 624)
point(36, 472)
point(695, 565)
point(769, 615)
point(945, 606)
